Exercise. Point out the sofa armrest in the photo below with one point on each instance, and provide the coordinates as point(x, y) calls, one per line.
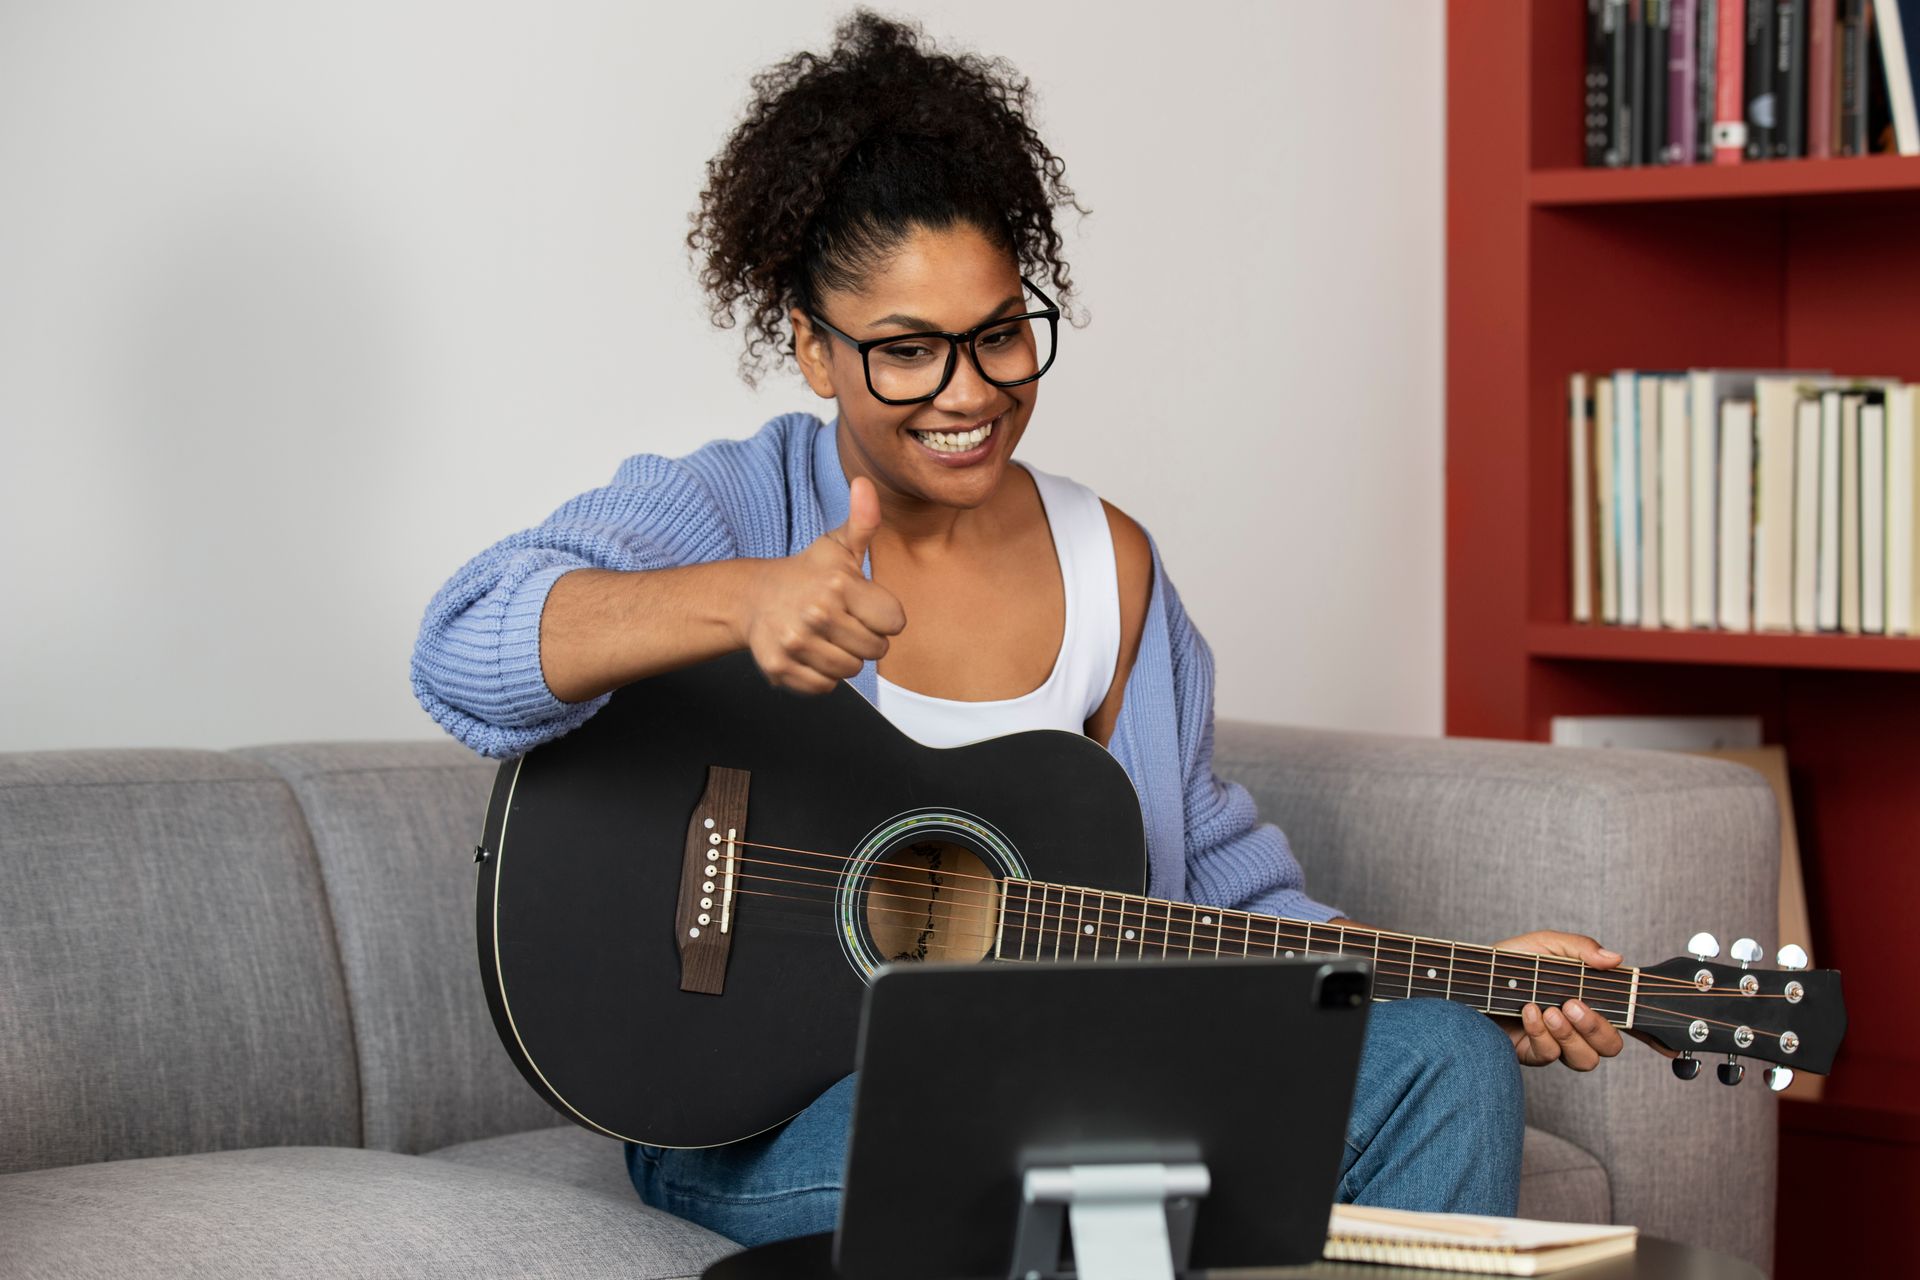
point(1478, 840)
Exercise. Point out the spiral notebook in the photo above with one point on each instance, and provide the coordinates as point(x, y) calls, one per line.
point(1469, 1242)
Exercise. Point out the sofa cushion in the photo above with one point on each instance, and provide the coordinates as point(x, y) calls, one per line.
point(168, 978)
point(566, 1153)
point(1560, 1182)
point(331, 1211)
point(394, 825)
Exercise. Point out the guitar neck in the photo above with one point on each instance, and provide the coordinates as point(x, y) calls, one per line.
point(1043, 921)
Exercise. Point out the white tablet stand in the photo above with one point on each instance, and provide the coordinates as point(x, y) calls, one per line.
point(1129, 1221)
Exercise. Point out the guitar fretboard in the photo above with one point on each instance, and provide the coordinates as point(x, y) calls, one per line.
point(1041, 921)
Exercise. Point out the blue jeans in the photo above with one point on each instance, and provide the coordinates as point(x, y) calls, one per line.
point(1436, 1124)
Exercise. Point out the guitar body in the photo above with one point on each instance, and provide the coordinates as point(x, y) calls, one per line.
point(886, 849)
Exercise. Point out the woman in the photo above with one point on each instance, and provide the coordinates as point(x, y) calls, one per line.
point(872, 216)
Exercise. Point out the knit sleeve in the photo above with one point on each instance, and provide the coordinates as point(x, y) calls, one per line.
point(476, 664)
point(1234, 860)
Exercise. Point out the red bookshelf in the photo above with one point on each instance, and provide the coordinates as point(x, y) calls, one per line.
point(1553, 268)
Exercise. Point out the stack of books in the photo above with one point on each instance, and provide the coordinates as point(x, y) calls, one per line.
point(1733, 81)
point(1745, 500)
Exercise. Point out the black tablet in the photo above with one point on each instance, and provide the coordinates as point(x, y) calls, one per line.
point(973, 1075)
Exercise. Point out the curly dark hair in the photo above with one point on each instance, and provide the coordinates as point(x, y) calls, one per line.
point(841, 155)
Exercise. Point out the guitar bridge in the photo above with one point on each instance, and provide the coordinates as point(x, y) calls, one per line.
point(709, 874)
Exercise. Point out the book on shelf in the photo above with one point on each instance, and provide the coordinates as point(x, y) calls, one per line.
point(1757, 78)
point(1744, 500)
point(1745, 81)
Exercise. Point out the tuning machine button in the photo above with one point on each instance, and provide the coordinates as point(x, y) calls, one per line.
point(1686, 1066)
point(1779, 1078)
point(1730, 1071)
point(1791, 956)
point(1703, 946)
point(1746, 951)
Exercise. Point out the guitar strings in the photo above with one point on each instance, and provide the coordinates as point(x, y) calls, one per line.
point(1395, 968)
point(1666, 1019)
point(1244, 930)
point(1250, 919)
point(1471, 971)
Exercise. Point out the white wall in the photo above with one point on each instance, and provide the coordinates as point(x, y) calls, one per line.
point(303, 303)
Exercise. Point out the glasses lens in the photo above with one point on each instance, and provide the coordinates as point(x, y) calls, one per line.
point(909, 368)
point(1015, 351)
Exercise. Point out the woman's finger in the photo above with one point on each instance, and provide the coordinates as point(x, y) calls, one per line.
point(1594, 1029)
point(1574, 1050)
point(1542, 1048)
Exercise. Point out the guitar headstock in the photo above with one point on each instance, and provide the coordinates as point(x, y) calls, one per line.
point(1792, 1016)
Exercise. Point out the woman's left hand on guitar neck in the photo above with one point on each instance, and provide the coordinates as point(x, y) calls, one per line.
point(1570, 1033)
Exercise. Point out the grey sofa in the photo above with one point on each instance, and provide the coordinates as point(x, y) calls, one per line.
point(241, 1031)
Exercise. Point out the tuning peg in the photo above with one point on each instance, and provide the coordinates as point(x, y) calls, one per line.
point(1792, 956)
point(1779, 1078)
point(1686, 1066)
point(1703, 946)
point(1730, 1071)
point(1746, 951)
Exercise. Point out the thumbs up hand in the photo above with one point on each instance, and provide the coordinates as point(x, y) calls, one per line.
point(814, 617)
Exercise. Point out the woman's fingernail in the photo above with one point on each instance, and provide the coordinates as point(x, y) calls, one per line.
point(1611, 955)
point(1576, 1011)
point(1554, 1019)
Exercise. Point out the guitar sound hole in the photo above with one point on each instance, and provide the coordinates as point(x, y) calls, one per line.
point(932, 900)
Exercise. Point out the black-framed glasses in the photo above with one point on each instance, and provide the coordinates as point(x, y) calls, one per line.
point(908, 368)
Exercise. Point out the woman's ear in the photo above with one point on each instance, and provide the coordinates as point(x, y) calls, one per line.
point(811, 349)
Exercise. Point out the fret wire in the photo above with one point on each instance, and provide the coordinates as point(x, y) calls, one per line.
point(1099, 928)
point(1451, 953)
point(1536, 979)
point(1079, 918)
point(1193, 928)
point(1246, 936)
point(1026, 912)
point(1060, 932)
point(1493, 962)
point(1000, 932)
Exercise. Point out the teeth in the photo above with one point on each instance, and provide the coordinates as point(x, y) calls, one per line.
point(955, 441)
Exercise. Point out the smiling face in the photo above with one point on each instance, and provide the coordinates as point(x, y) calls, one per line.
point(953, 450)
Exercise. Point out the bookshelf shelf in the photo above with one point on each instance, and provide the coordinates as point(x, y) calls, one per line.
point(1787, 264)
point(1775, 179)
point(1722, 648)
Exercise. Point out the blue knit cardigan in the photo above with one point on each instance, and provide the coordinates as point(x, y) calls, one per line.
point(476, 665)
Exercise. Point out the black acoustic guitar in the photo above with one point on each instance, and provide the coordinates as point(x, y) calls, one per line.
point(680, 903)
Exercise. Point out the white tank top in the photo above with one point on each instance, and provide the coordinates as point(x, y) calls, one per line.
point(1089, 647)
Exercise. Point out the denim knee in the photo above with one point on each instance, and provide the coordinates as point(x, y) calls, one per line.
point(1469, 1058)
point(1438, 1113)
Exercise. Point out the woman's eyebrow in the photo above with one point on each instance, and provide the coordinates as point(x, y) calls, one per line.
point(927, 326)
